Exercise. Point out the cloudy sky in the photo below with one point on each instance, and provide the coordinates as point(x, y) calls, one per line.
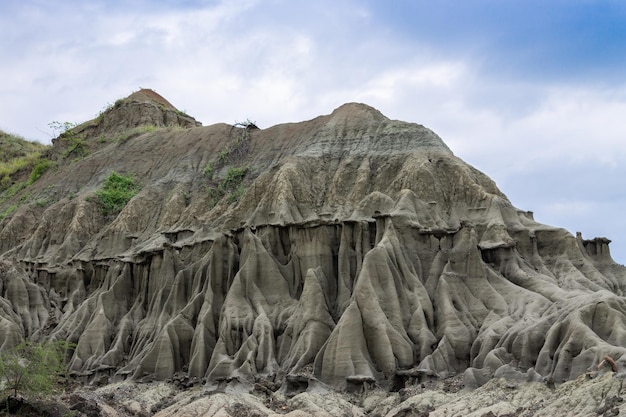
point(531, 92)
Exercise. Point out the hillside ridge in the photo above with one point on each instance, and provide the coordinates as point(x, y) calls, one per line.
point(349, 250)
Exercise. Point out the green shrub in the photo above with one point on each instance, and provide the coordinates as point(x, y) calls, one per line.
point(234, 177)
point(116, 192)
point(208, 171)
point(231, 185)
point(76, 146)
point(187, 197)
point(7, 211)
point(32, 368)
point(12, 190)
point(12, 166)
point(5, 182)
point(215, 195)
point(236, 194)
point(38, 170)
point(222, 157)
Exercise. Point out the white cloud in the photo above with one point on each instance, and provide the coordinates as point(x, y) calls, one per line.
point(569, 124)
point(579, 124)
point(411, 79)
point(570, 208)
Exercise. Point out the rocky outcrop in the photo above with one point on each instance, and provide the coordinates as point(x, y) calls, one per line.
point(350, 250)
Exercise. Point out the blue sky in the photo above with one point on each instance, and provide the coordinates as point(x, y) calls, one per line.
point(533, 93)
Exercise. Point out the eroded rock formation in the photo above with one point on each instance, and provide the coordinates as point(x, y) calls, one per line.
point(349, 249)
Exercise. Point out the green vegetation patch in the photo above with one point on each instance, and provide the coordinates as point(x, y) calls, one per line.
point(12, 190)
point(32, 368)
point(116, 192)
point(16, 154)
point(237, 193)
point(12, 166)
point(38, 170)
point(14, 146)
point(7, 211)
point(223, 155)
point(234, 177)
point(208, 171)
point(231, 185)
point(76, 146)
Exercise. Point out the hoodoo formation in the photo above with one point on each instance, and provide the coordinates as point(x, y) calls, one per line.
point(349, 250)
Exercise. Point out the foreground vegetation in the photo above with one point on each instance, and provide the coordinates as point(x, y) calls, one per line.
point(29, 373)
point(32, 368)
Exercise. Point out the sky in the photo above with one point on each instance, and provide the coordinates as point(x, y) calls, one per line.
point(530, 92)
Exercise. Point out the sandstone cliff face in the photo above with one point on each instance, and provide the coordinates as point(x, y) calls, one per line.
point(349, 249)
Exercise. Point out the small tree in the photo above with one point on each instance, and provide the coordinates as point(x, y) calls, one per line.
point(32, 368)
point(61, 128)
